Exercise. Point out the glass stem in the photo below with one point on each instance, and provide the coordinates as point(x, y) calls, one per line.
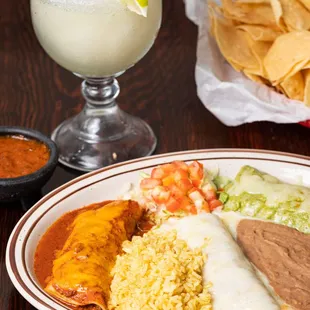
point(102, 134)
point(101, 119)
point(100, 92)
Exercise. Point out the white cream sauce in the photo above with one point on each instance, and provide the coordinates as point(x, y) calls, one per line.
point(231, 221)
point(235, 285)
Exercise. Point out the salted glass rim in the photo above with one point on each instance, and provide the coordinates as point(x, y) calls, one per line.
point(79, 2)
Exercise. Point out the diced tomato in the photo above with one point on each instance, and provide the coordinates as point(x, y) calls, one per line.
point(198, 199)
point(200, 191)
point(150, 183)
point(193, 210)
point(207, 187)
point(184, 185)
point(158, 173)
point(176, 192)
point(172, 205)
point(180, 174)
point(195, 194)
point(181, 164)
point(169, 180)
point(178, 186)
point(187, 205)
point(196, 183)
point(196, 172)
point(205, 206)
point(213, 204)
point(185, 202)
point(210, 195)
point(197, 167)
point(160, 194)
point(168, 168)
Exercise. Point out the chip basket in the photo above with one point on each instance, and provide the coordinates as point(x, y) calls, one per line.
point(215, 78)
point(305, 123)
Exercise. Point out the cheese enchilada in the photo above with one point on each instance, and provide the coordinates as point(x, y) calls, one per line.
point(81, 270)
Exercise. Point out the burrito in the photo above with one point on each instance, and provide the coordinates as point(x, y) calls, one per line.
point(260, 195)
point(81, 270)
point(234, 284)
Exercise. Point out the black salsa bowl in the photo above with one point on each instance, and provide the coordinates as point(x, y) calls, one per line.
point(15, 188)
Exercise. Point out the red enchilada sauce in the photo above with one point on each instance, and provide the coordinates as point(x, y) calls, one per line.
point(20, 156)
point(53, 240)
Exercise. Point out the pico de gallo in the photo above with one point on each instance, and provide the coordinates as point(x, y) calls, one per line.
point(180, 187)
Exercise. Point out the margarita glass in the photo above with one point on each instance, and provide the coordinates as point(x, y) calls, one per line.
point(98, 40)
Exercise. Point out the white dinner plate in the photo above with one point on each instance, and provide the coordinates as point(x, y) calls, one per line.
point(108, 183)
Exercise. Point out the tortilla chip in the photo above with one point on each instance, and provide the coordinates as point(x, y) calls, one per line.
point(261, 33)
point(306, 74)
point(237, 67)
point(278, 14)
point(294, 86)
point(295, 15)
point(279, 89)
point(211, 19)
point(306, 65)
point(259, 50)
point(234, 46)
point(250, 13)
point(306, 3)
point(256, 78)
point(214, 11)
point(288, 54)
point(298, 67)
point(252, 1)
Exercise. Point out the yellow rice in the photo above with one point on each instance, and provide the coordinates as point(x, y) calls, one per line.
point(159, 271)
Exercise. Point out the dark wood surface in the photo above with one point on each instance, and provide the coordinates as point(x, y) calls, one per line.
point(37, 93)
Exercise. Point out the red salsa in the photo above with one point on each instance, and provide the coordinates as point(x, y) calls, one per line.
point(20, 156)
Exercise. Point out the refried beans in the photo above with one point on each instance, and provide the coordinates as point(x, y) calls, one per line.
point(283, 255)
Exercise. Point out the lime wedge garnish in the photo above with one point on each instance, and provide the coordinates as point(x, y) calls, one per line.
point(138, 6)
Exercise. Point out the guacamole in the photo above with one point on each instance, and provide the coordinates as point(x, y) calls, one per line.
point(260, 195)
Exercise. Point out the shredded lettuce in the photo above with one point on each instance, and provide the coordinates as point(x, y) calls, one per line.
point(179, 213)
point(221, 181)
point(212, 172)
point(144, 175)
point(160, 218)
point(223, 197)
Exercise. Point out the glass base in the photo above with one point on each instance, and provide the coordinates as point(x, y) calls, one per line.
point(100, 137)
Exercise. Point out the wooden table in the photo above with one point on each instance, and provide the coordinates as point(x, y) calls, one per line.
point(37, 93)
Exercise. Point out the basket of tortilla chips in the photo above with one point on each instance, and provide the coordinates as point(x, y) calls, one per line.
point(266, 41)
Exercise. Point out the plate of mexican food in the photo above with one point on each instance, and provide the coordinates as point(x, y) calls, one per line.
point(206, 229)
